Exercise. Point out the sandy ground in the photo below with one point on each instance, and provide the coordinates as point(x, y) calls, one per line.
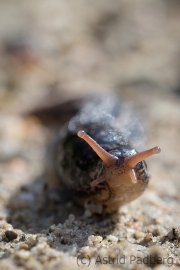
point(53, 52)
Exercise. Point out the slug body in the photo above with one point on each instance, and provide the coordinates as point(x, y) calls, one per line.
point(98, 169)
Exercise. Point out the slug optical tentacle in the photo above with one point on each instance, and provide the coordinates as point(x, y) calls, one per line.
point(133, 160)
point(108, 159)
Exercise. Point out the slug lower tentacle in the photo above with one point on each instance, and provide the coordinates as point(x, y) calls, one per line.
point(102, 171)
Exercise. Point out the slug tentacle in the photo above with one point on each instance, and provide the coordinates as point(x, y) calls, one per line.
point(108, 159)
point(133, 160)
point(100, 179)
point(132, 175)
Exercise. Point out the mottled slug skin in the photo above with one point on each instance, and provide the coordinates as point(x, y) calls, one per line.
point(77, 165)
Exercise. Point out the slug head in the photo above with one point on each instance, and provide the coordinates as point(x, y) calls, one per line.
point(117, 169)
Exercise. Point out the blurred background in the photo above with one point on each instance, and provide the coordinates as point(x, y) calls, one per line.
point(55, 51)
point(68, 48)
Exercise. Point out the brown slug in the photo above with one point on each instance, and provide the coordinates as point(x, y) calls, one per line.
point(94, 160)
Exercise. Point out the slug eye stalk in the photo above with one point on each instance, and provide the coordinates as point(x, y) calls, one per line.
point(110, 161)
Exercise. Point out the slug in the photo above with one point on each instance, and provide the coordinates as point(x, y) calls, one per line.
point(94, 159)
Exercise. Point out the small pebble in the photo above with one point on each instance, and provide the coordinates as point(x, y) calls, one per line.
point(170, 235)
point(11, 235)
point(31, 239)
point(148, 236)
point(112, 238)
point(71, 218)
point(138, 235)
point(24, 246)
point(91, 237)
